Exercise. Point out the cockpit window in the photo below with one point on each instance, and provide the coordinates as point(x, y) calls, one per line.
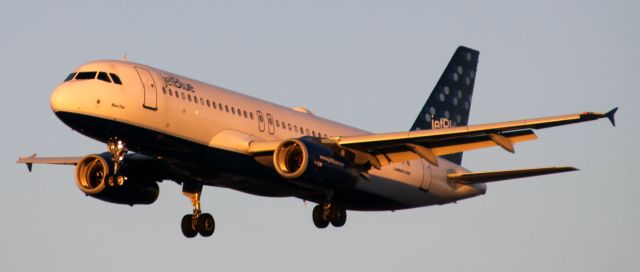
point(104, 77)
point(86, 75)
point(115, 78)
point(70, 77)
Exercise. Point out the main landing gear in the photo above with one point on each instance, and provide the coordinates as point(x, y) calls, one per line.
point(198, 222)
point(327, 213)
point(118, 151)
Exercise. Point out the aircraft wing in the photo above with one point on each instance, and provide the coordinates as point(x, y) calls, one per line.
point(33, 159)
point(483, 177)
point(382, 149)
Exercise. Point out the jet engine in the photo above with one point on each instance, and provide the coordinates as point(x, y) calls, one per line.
point(94, 173)
point(311, 164)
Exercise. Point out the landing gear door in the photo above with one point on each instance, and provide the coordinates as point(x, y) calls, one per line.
point(261, 122)
point(150, 91)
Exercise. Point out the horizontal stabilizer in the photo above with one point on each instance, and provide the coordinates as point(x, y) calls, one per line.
point(483, 177)
point(33, 159)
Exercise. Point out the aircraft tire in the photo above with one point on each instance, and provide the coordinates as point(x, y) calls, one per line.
point(318, 218)
point(187, 227)
point(206, 225)
point(338, 217)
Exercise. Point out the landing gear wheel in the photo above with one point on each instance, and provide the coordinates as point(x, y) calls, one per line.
point(319, 218)
point(338, 217)
point(120, 180)
point(206, 225)
point(187, 226)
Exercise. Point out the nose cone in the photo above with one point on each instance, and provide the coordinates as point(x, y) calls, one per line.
point(59, 98)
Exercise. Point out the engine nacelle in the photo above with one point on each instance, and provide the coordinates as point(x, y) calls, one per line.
point(92, 178)
point(311, 164)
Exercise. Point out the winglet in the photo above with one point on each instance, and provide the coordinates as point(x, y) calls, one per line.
point(611, 115)
point(29, 164)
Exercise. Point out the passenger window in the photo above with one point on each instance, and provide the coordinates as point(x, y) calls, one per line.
point(104, 77)
point(226, 108)
point(313, 132)
point(189, 96)
point(245, 114)
point(214, 104)
point(115, 78)
point(70, 77)
point(277, 123)
point(184, 97)
point(164, 90)
point(170, 92)
point(202, 101)
point(289, 125)
point(86, 75)
point(295, 128)
point(307, 131)
point(220, 105)
point(233, 110)
point(251, 115)
point(208, 103)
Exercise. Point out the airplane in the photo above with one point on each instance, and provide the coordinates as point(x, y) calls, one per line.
point(162, 126)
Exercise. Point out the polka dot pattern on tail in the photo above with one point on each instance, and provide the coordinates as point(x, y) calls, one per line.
point(450, 99)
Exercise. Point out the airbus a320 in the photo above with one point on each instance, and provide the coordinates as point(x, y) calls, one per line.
point(162, 126)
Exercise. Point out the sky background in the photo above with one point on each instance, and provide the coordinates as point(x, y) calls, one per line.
point(370, 64)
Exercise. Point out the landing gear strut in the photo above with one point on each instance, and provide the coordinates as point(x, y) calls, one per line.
point(118, 150)
point(197, 222)
point(328, 213)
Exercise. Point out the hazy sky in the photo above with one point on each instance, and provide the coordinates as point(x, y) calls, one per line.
point(370, 64)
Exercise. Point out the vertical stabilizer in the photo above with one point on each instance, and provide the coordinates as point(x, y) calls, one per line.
point(450, 101)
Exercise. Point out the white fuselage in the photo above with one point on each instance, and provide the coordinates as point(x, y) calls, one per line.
point(211, 116)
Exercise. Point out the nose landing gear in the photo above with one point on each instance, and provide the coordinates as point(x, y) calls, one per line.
point(197, 222)
point(118, 150)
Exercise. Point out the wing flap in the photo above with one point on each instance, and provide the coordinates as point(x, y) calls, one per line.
point(483, 177)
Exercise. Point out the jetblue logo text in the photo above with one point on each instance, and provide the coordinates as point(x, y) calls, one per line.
point(442, 123)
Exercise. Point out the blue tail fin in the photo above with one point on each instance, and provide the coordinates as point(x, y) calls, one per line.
point(450, 101)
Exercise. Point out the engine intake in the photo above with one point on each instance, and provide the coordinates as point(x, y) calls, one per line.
point(311, 164)
point(94, 171)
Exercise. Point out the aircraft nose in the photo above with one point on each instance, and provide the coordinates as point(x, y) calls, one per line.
point(59, 98)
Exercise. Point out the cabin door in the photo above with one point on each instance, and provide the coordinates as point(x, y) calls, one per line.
point(149, 86)
point(426, 176)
